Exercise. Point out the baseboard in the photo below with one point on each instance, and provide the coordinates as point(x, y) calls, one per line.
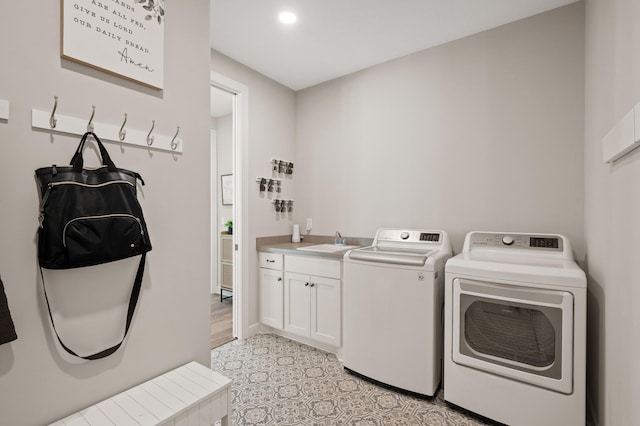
point(259, 328)
point(253, 329)
point(305, 341)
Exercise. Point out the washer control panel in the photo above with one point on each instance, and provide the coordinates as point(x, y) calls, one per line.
point(553, 243)
point(417, 236)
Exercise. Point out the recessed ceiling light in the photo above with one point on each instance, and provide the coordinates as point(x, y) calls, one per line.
point(287, 17)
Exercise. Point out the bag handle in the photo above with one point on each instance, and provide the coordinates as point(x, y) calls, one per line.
point(78, 162)
point(133, 300)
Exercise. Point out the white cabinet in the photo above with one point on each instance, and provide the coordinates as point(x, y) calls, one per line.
point(226, 262)
point(312, 298)
point(271, 291)
point(297, 300)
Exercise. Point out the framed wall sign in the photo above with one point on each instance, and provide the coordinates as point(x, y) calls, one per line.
point(122, 37)
point(227, 189)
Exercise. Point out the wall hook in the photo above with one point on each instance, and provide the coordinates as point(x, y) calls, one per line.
point(174, 144)
point(150, 137)
point(123, 133)
point(53, 121)
point(90, 126)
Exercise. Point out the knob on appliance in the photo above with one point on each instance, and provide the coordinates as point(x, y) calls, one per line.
point(404, 235)
point(507, 240)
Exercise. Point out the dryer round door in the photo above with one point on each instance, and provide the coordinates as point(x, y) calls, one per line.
point(518, 332)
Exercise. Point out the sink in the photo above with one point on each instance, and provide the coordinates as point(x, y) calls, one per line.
point(327, 248)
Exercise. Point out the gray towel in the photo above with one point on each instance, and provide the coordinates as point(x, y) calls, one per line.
point(7, 330)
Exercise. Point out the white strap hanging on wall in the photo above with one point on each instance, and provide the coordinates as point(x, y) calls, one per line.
point(54, 122)
point(4, 109)
point(623, 138)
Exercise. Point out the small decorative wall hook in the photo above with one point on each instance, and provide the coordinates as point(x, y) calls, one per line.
point(123, 133)
point(174, 143)
point(90, 126)
point(53, 121)
point(150, 137)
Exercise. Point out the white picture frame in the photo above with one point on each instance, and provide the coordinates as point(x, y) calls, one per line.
point(121, 37)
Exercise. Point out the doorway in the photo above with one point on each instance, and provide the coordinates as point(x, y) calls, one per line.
point(229, 110)
point(222, 293)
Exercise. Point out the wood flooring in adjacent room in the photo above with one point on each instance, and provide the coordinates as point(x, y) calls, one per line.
point(221, 321)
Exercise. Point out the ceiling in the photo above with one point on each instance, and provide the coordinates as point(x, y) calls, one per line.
point(332, 38)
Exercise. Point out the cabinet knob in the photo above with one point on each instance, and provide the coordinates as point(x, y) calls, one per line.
point(306, 284)
point(312, 284)
point(271, 261)
point(279, 279)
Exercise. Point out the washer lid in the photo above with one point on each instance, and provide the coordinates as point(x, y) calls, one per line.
point(396, 256)
point(423, 248)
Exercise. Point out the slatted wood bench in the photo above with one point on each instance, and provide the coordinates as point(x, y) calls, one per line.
point(189, 395)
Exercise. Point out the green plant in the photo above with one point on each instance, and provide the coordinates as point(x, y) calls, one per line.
point(229, 224)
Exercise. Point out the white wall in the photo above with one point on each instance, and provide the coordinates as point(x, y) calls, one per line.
point(38, 382)
point(612, 210)
point(271, 134)
point(484, 133)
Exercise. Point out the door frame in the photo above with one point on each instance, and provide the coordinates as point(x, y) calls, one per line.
point(213, 220)
point(240, 125)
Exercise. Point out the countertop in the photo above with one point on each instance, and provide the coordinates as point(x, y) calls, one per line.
point(282, 244)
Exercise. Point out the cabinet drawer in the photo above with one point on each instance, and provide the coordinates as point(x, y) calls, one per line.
point(313, 266)
point(270, 260)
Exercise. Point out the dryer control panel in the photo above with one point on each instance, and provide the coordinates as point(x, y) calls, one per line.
point(548, 243)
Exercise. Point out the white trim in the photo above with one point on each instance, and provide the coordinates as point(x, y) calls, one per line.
point(213, 264)
point(240, 201)
point(4, 109)
point(109, 132)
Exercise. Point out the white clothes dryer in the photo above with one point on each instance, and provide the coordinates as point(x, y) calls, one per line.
point(515, 329)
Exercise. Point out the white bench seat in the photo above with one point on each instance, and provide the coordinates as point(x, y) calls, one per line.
point(191, 395)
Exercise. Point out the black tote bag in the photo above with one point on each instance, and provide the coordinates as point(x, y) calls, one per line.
point(89, 217)
point(7, 329)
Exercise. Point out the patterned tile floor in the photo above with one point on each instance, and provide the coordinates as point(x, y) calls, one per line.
point(280, 382)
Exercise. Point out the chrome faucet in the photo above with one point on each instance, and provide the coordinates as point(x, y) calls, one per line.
point(338, 240)
point(338, 234)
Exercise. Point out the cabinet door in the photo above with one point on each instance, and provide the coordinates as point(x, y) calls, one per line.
point(297, 303)
point(226, 248)
point(227, 276)
point(271, 298)
point(326, 318)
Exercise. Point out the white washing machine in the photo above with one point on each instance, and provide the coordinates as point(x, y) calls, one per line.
point(393, 300)
point(515, 329)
